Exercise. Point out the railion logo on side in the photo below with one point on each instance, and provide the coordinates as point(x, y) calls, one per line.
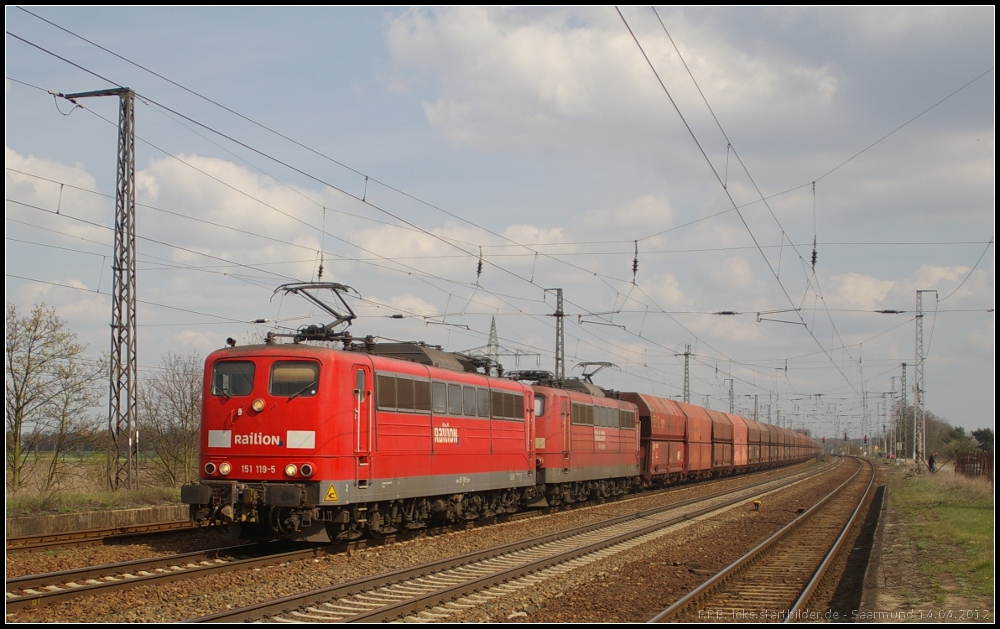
point(445, 434)
point(257, 439)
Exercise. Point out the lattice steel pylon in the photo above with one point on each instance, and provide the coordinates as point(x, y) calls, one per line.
point(560, 337)
point(123, 443)
point(493, 351)
point(901, 417)
point(493, 347)
point(919, 418)
point(687, 373)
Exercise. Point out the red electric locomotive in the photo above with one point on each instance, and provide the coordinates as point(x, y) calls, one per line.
point(586, 443)
point(316, 443)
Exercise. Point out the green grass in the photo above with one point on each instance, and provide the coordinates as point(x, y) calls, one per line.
point(950, 519)
point(74, 502)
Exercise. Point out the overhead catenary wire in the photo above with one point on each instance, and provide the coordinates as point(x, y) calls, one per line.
point(746, 225)
point(535, 256)
point(595, 274)
point(363, 199)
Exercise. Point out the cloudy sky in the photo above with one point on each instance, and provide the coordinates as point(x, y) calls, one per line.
point(453, 165)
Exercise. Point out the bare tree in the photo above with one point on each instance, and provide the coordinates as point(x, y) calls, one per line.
point(170, 414)
point(67, 421)
point(48, 384)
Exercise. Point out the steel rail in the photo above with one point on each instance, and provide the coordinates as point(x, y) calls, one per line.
point(758, 551)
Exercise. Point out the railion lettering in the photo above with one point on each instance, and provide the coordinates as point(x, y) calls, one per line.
point(257, 439)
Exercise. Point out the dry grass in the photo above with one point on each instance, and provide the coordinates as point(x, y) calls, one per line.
point(81, 485)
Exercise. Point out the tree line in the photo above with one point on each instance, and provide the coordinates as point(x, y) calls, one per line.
point(53, 418)
point(939, 435)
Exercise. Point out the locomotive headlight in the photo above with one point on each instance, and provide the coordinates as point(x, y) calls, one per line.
point(290, 469)
point(210, 468)
point(225, 468)
point(307, 469)
point(257, 405)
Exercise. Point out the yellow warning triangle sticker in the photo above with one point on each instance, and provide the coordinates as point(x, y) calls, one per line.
point(331, 495)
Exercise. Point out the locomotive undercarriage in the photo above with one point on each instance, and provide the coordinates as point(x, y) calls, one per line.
point(290, 511)
point(559, 494)
point(391, 516)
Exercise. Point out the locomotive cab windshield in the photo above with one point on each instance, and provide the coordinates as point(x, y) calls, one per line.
point(232, 378)
point(294, 379)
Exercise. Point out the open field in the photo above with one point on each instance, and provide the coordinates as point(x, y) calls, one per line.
point(81, 485)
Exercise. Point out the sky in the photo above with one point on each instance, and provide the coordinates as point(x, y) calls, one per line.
point(800, 169)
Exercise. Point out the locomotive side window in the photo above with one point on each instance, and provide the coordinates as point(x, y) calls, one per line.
point(385, 391)
point(404, 394)
point(508, 405)
point(539, 405)
point(439, 398)
point(483, 397)
point(422, 396)
point(294, 378)
point(499, 399)
point(582, 414)
point(470, 401)
point(627, 419)
point(232, 378)
point(517, 406)
point(394, 393)
point(455, 404)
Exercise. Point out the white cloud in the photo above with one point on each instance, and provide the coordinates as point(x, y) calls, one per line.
point(642, 215)
point(534, 235)
point(20, 168)
point(62, 199)
point(201, 343)
point(666, 290)
point(734, 273)
point(854, 290)
point(895, 23)
point(506, 77)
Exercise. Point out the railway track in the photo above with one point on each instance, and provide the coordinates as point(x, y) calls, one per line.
point(93, 537)
point(437, 590)
point(89, 587)
point(45, 589)
point(38, 590)
point(775, 580)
